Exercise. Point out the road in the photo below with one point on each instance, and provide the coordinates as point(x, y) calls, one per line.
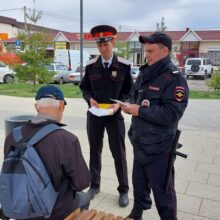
point(197, 84)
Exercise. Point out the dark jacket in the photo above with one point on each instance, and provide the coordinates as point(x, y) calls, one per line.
point(116, 83)
point(153, 131)
point(61, 154)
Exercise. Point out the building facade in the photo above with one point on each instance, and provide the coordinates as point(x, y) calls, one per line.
point(188, 43)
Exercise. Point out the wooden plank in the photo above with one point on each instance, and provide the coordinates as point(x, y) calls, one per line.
point(118, 218)
point(109, 217)
point(99, 216)
point(88, 215)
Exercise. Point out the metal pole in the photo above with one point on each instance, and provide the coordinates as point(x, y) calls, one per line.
point(25, 19)
point(81, 39)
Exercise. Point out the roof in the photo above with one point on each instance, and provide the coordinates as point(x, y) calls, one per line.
point(210, 35)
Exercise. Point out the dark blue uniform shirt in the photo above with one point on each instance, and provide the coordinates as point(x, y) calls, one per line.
point(153, 131)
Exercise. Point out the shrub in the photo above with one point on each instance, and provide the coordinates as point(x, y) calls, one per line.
point(214, 82)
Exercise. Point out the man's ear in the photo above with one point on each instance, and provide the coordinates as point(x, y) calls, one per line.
point(61, 105)
point(113, 42)
point(36, 107)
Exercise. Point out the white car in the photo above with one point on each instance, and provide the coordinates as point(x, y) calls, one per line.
point(6, 74)
point(61, 72)
point(134, 72)
point(74, 77)
point(198, 67)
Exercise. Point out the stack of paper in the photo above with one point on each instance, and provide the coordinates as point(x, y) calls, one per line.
point(101, 111)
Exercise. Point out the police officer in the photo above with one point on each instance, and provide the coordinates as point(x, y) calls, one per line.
point(107, 76)
point(157, 103)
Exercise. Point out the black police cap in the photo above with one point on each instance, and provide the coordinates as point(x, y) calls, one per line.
point(157, 37)
point(103, 33)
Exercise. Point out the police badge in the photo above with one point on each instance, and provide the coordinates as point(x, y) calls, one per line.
point(114, 74)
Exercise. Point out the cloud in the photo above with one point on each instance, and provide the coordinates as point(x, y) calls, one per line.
point(130, 15)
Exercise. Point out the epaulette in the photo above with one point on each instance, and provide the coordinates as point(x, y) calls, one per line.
point(89, 62)
point(124, 61)
point(174, 70)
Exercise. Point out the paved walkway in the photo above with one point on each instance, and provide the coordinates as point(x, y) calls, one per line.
point(197, 177)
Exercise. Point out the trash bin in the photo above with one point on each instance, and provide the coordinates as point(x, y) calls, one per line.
point(14, 121)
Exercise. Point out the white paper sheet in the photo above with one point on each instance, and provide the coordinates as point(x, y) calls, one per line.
point(101, 111)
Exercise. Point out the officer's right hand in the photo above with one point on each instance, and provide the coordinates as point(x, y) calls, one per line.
point(93, 102)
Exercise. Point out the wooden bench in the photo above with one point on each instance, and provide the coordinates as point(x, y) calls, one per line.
point(93, 214)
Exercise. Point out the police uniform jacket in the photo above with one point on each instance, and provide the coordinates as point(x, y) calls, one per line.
point(153, 131)
point(101, 85)
point(61, 154)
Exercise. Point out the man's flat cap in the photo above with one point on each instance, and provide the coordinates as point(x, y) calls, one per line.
point(103, 33)
point(50, 91)
point(157, 37)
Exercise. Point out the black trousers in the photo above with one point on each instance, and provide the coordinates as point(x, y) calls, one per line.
point(115, 128)
point(151, 177)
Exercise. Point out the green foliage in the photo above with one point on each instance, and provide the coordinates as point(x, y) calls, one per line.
point(34, 55)
point(122, 49)
point(161, 26)
point(214, 82)
point(26, 90)
point(35, 58)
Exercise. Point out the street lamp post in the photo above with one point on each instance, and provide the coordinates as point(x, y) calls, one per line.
point(81, 39)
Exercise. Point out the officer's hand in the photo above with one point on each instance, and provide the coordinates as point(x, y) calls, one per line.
point(132, 109)
point(115, 107)
point(93, 102)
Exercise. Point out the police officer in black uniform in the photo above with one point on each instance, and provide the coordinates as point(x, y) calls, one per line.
point(158, 101)
point(107, 76)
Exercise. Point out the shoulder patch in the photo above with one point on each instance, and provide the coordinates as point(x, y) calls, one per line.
point(92, 61)
point(179, 93)
point(124, 61)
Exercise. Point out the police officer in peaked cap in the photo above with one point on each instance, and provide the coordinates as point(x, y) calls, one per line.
point(107, 77)
point(157, 103)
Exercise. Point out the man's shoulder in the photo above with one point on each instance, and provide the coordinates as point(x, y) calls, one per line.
point(94, 60)
point(123, 60)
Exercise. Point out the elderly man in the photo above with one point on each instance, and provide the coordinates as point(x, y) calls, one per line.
point(60, 152)
point(157, 103)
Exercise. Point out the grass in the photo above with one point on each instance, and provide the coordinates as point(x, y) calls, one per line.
point(72, 91)
point(204, 94)
point(28, 90)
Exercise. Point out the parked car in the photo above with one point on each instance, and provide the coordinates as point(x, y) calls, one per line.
point(61, 72)
point(74, 77)
point(6, 74)
point(201, 67)
point(134, 72)
point(180, 68)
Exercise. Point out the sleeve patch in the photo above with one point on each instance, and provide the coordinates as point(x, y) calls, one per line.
point(179, 93)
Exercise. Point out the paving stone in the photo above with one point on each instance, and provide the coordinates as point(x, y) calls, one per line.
point(194, 176)
point(186, 164)
point(201, 157)
point(181, 185)
point(210, 209)
point(217, 160)
point(188, 204)
point(204, 191)
point(187, 216)
point(209, 168)
point(214, 179)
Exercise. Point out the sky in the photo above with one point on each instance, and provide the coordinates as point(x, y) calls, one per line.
point(125, 15)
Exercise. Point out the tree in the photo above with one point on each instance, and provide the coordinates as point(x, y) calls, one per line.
point(34, 54)
point(122, 49)
point(161, 26)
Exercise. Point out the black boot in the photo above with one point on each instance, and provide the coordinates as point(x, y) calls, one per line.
point(136, 213)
